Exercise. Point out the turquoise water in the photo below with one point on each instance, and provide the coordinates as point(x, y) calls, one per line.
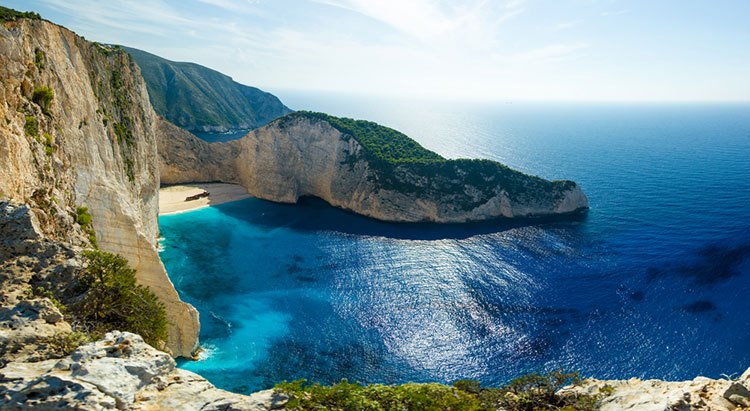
point(652, 282)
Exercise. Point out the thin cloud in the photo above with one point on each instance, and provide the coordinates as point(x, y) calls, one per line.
point(615, 13)
point(434, 19)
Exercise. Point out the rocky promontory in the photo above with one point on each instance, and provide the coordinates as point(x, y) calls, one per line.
point(363, 167)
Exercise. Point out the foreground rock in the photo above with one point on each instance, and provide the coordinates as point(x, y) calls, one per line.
point(305, 154)
point(655, 395)
point(118, 372)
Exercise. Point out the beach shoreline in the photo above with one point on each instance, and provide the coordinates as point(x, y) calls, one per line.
point(172, 198)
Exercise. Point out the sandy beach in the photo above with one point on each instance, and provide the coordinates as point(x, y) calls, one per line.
point(172, 198)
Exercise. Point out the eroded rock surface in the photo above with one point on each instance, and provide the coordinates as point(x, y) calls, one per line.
point(77, 129)
point(701, 393)
point(122, 372)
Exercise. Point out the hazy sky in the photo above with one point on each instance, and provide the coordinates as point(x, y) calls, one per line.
point(489, 49)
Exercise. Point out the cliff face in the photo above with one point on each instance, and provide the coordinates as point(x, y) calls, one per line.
point(299, 156)
point(198, 98)
point(77, 129)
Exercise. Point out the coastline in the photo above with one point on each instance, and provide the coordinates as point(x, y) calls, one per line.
point(172, 198)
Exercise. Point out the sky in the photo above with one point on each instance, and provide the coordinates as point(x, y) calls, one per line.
point(562, 50)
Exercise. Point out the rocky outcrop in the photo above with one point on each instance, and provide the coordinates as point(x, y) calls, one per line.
point(77, 129)
point(656, 395)
point(184, 157)
point(122, 372)
point(300, 155)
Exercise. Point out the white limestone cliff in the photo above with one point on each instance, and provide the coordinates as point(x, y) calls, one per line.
point(297, 156)
point(93, 145)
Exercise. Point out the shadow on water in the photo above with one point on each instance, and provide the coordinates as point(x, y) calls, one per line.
point(312, 214)
point(710, 265)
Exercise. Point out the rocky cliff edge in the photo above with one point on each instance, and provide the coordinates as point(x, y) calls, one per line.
point(77, 130)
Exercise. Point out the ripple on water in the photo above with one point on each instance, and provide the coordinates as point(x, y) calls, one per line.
point(647, 284)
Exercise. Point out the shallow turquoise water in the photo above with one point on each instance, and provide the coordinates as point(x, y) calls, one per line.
point(652, 282)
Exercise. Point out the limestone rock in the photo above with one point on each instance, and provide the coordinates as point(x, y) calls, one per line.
point(93, 146)
point(738, 394)
point(700, 393)
point(299, 156)
point(119, 372)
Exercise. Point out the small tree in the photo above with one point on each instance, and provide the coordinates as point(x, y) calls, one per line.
point(113, 300)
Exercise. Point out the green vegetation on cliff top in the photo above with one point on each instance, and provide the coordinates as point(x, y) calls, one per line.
point(401, 164)
point(198, 98)
point(532, 392)
point(383, 143)
point(7, 14)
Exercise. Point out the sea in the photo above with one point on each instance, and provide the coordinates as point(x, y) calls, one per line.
point(652, 282)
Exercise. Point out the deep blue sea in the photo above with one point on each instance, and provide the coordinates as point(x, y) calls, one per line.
point(654, 281)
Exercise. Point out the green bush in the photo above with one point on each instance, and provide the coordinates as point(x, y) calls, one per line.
point(533, 392)
point(43, 96)
point(84, 219)
point(63, 344)
point(31, 128)
point(113, 300)
point(39, 57)
point(345, 396)
point(49, 144)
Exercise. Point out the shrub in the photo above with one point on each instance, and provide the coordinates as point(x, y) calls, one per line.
point(535, 391)
point(63, 344)
point(49, 144)
point(39, 57)
point(33, 292)
point(84, 219)
point(529, 393)
point(43, 96)
point(113, 301)
point(31, 128)
point(345, 396)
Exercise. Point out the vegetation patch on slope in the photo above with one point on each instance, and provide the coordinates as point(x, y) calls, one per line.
point(532, 392)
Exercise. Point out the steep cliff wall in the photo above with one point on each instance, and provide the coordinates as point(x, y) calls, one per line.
point(77, 129)
point(305, 155)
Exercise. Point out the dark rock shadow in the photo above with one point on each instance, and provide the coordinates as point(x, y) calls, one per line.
point(312, 214)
